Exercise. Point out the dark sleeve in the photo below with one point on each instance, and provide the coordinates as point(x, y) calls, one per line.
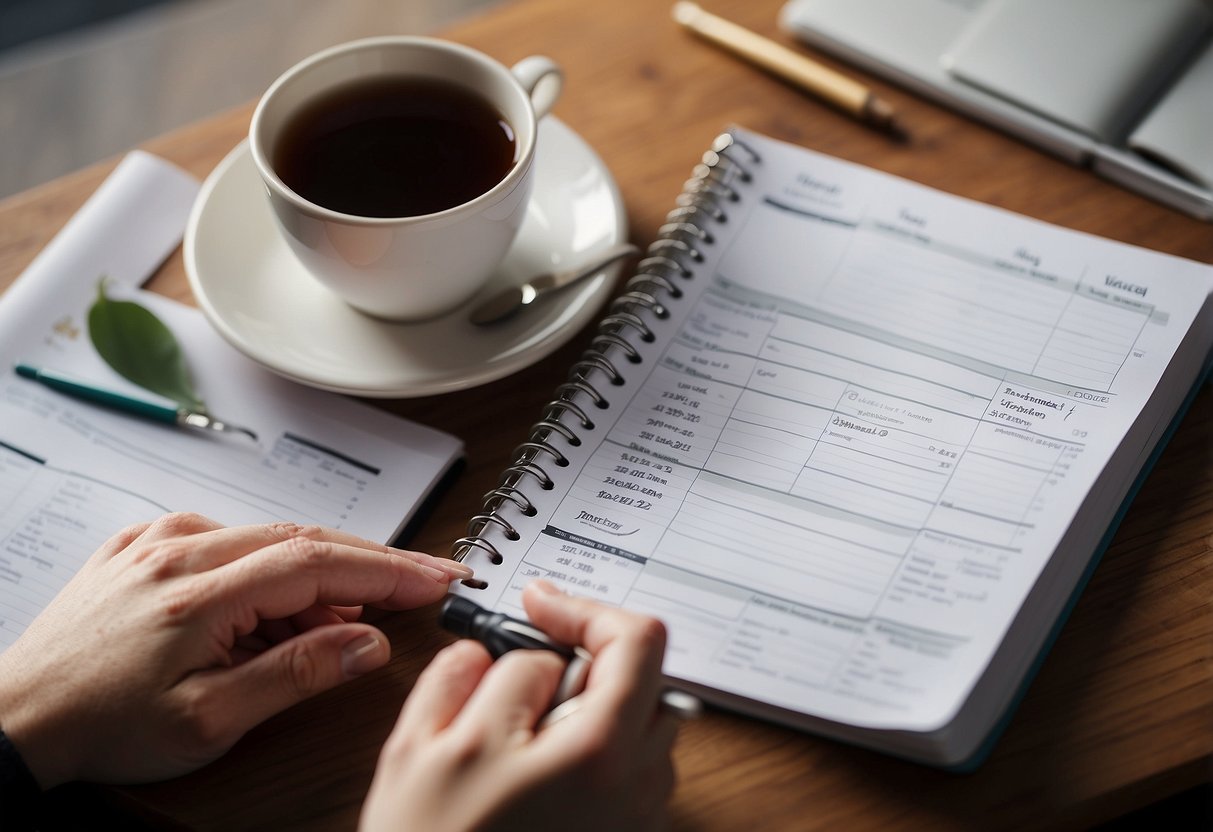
point(19, 791)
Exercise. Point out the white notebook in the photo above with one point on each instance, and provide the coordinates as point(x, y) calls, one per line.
point(857, 443)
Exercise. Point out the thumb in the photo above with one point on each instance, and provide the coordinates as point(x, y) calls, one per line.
point(296, 669)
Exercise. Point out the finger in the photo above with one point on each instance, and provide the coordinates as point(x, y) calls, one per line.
point(240, 655)
point(625, 676)
point(247, 647)
point(318, 615)
point(211, 548)
point(653, 795)
point(253, 643)
point(442, 690)
point(286, 578)
point(164, 540)
point(286, 674)
point(119, 542)
point(662, 733)
point(348, 613)
point(455, 568)
point(654, 775)
point(276, 630)
point(177, 524)
point(515, 692)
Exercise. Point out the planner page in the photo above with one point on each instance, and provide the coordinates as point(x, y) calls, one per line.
point(857, 439)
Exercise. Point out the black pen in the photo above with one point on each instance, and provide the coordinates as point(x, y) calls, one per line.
point(500, 633)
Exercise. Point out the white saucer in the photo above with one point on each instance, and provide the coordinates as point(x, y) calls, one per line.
point(261, 299)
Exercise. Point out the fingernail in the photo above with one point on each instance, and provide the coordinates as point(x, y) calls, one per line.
point(448, 566)
point(440, 569)
point(434, 572)
point(459, 570)
point(360, 656)
point(545, 588)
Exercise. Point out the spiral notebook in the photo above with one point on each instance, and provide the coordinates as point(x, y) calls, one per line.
point(857, 442)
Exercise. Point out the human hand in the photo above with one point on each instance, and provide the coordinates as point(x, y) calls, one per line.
point(178, 636)
point(465, 752)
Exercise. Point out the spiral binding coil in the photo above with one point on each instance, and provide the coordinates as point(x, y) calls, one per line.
point(669, 260)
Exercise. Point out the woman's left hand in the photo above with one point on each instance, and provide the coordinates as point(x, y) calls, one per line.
point(178, 636)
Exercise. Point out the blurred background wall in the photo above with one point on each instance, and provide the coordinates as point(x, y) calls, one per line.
point(82, 80)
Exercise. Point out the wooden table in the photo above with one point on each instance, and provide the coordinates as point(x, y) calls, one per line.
point(1121, 714)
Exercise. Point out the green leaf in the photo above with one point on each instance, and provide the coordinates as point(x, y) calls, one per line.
point(141, 348)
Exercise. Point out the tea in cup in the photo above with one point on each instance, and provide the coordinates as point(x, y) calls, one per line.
point(399, 168)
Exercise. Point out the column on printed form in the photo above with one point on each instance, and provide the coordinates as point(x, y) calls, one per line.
point(988, 534)
point(635, 483)
point(746, 508)
point(811, 490)
point(56, 520)
point(884, 449)
point(969, 320)
point(821, 482)
point(1096, 333)
point(638, 483)
point(1004, 507)
point(323, 485)
point(1001, 310)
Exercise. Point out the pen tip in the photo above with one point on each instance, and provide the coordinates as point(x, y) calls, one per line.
point(898, 133)
point(458, 615)
point(879, 114)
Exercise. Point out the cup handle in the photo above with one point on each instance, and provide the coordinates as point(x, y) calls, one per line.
point(542, 79)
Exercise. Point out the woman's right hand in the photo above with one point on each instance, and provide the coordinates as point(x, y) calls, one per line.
point(466, 752)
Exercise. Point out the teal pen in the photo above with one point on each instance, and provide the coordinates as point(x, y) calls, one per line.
point(181, 416)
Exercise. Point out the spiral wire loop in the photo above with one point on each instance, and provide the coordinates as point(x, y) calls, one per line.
point(591, 360)
point(477, 524)
point(497, 496)
point(572, 387)
point(535, 447)
point(523, 467)
point(542, 430)
point(628, 301)
point(677, 230)
point(679, 247)
point(662, 262)
point(553, 410)
point(645, 280)
point(670, 258)
point(611, 339)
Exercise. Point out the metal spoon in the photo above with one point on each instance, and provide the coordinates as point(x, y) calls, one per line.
point(508, 301)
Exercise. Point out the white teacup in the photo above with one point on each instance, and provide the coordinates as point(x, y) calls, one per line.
point(406, 267)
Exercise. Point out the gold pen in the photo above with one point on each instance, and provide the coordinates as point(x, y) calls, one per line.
point(833, 87)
